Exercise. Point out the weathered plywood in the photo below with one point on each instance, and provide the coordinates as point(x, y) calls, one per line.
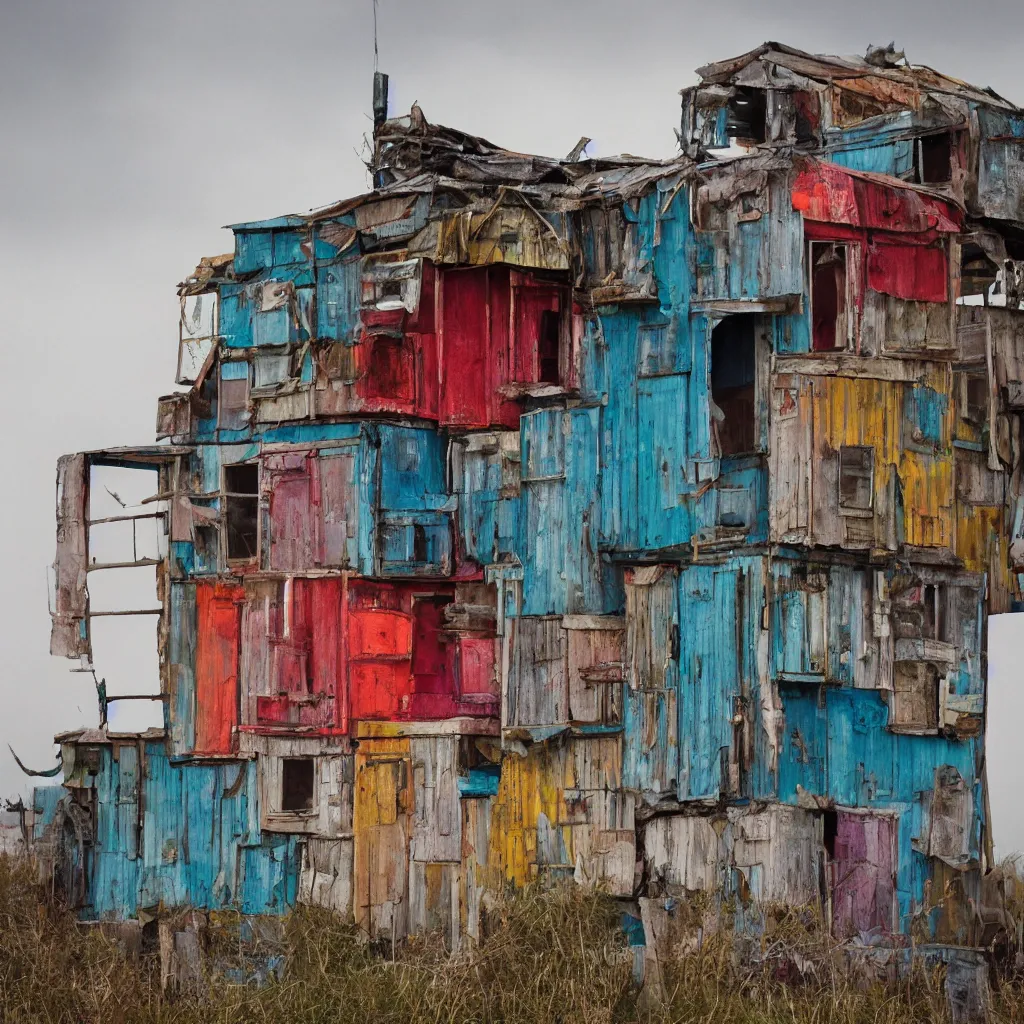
point(383, 803)
point(595, 649)
point(436, 824)
point(651, 752)
point(326, 879)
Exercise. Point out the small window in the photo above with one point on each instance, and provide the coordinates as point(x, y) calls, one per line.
point(732, 384)
point(915, 698)
point(856, 478)
point(548, 346)
point(933, 626)
point(975, 407)
point(748, 109)
point(241, 510)
point(419, 543)
point(408, 455)
point(830, 322)
point(233, 399)
point(934, 159)
point(297, 784)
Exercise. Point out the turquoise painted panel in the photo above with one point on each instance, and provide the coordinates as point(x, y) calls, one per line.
point(338, 299)
point(924, 416)
point(803, 750)
point(861, 750)
point(412, 469)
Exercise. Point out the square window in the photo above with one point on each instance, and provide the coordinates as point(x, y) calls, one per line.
point(975, 409)
point(856, 478)
point(297, 777)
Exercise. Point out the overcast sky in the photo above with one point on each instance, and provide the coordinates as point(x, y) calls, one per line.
point(131, 131)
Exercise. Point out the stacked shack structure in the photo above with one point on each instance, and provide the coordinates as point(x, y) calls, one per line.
point(606, 519)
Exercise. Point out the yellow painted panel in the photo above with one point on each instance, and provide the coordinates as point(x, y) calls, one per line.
point(927, 499)
point(529, 786)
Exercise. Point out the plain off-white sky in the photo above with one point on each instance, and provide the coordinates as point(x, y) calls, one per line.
point(132, 131)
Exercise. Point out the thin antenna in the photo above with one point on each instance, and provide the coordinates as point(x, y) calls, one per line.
point(375, 35)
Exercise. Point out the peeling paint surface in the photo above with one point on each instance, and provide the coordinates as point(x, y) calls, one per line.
point(627, 522)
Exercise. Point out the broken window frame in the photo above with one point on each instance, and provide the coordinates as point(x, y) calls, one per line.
point(971, 410)
point(226, 497)
point(755, 119)
point(181, 376)
point(850, 509)
point(845, 337)
point(919, 158)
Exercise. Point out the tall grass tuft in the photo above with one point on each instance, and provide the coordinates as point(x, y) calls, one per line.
point(550, 956)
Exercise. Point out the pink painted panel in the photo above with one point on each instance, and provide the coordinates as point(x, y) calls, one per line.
point(863, 881)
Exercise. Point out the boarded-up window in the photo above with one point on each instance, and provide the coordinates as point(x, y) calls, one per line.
point(659, 351)
point(915, 700)
point(829, 285)
point(856, 478)
point(233, 397)
point(292, 509)
point(339, 505)
point(241, 510)
point(538, 693)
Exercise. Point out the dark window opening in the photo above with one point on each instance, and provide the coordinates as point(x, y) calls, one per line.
point(419, 543)
point(808, 115)
point(241, 510)
point(856, 478)
point(830, 831)
point(828, 296)
point(748, 109)
point(934, 620)
point(976, 400)
point(548, 346)
point(297, 784)
point(934, 159)
point(732, 384)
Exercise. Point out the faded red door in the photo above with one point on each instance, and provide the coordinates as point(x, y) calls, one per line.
point(217, 624)
point(863, 882)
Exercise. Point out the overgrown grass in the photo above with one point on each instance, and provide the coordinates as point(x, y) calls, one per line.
point(555, 956)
